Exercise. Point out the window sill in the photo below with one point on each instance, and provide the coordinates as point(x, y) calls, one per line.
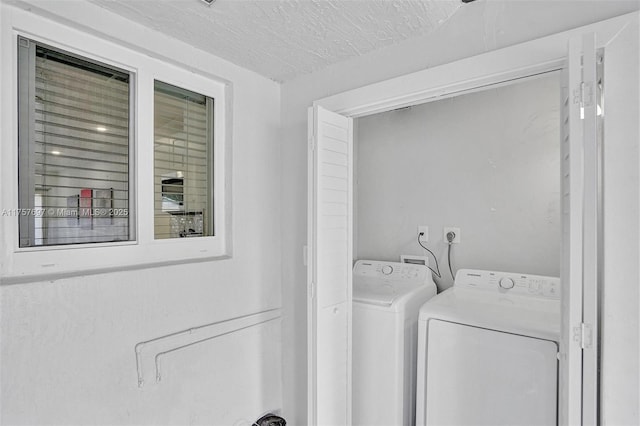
point(52, 263)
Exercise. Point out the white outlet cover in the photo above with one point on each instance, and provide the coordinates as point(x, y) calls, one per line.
point(456, 231)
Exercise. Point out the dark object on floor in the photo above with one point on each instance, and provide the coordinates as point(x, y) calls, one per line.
point(270, 420)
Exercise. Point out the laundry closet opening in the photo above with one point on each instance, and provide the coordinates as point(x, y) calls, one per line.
point(486, 162)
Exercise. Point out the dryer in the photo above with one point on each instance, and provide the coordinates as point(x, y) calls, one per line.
point(387, 297)
point(487, 351)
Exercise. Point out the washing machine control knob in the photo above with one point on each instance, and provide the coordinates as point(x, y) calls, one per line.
point(387, 269)
point(506, 283)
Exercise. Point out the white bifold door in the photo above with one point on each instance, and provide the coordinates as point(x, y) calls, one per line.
point(329, 268)
point(599, 106)
point(580, 191)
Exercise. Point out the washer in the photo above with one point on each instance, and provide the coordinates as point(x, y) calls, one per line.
point(487, 351)
point(387, 297)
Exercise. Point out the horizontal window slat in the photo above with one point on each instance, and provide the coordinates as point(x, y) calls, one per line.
point(47, 138)
point(68, 75)
point(48, 186)
point(187, 184)
point(106, 95)
point(40, 158)
point(176, 123)
point(54, 204)
point(165, 166)
point(179, 125)
point(74, 97)
point(105, 151)
point(66, 197)
point(158, 187)
point(65, 167)
point(77, 78)
point(61, 241)
point(82, 177)
point(65, 70)
point(190, 171)
point(108, 116)
point(196, 120)
point(178, 104)
point(79, 127)
point(184, 149)
point(190, 136)
point(186, 169)
point(189, 213)
point(166, 144)
point(119, 127)
point(121, 228)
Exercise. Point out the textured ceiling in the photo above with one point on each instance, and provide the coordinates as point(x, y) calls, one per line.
point(282, 39)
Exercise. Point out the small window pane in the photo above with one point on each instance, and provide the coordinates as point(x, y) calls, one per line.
point(73, 149)
point(183, 167)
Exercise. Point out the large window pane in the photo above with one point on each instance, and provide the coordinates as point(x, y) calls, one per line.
point(74, 149)
point(183, 166)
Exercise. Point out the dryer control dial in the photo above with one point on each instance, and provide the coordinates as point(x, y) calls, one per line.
point(506, 283)
point(387, 270)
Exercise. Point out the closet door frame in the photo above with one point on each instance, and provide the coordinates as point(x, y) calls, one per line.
point(499, 67)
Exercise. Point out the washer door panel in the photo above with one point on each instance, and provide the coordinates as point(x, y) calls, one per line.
point(484, 377)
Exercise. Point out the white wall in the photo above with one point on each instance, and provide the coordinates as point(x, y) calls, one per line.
point(620, 339)
point(68, 344)
point(486, 162)
point(476, 28)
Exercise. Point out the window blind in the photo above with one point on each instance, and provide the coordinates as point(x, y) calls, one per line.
point(74, 149)
point(183, 163)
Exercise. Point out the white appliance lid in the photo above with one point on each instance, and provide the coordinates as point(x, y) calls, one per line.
point(511, 314)
point(377, 292)
point(477, 299)
point(382, 283)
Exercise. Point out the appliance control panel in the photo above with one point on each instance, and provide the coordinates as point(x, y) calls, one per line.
point(508, 282)
point(392, 271)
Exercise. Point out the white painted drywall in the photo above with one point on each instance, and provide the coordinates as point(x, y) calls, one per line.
point(68, 344)
point(485, 162)
point(479, 27)
point(620, 316)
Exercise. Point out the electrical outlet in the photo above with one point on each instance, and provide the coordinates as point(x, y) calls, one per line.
point(425, 231)
point(456, 238)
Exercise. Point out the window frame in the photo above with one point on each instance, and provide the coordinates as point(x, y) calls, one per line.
point(201, 85)
point(131, 144)
point(46, 262)
point(211, 158)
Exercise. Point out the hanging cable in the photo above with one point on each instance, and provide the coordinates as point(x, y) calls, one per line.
point(450, 237)
point(449, 260)
point(434, 257)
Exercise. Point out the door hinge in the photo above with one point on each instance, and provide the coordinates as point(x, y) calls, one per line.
point(312, 143)
point(583, 335)
point(577, 95)
point(587, 93)
point(583, 95)
point(312, 290)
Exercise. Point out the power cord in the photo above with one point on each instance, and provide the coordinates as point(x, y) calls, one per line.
point(450, 237)
point(434, 257)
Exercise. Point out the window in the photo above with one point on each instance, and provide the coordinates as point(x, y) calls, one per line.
point(183, 163)
point(74, 149)
point(85, 194)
